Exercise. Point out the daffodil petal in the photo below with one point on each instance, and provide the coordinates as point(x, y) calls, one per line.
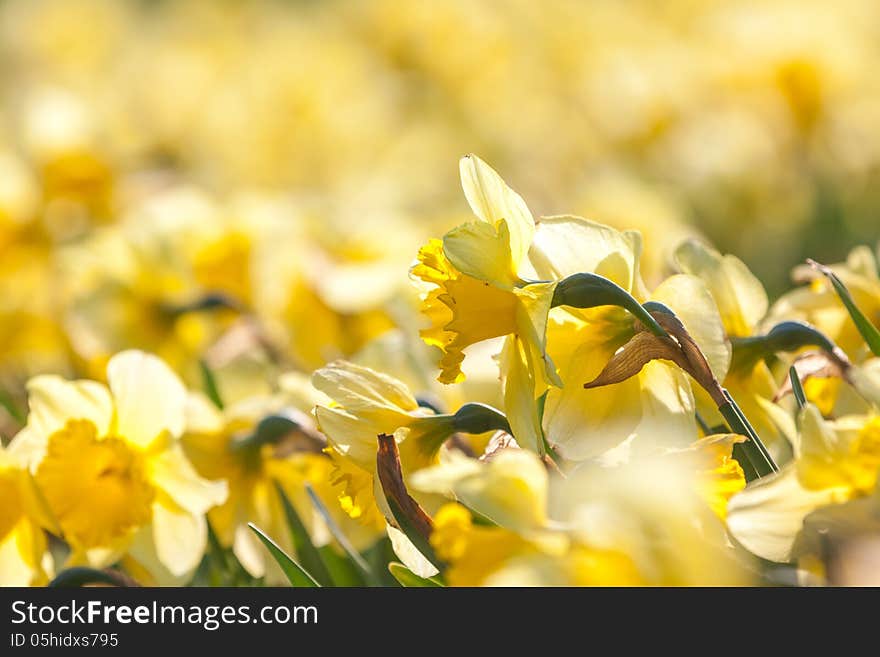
point(511, 490)
point(150, 399)
point(482, 251)
point(143, 561)
point(248, 551)
point(172, 472)
point(53, 401)
point(352, 437)
point(180, 536)
point(491, 199)
point(742, 300)
point(519, 395)
point(21, 556)
point(767, 516)
point(585, 423)
point(532, 314)
point(667, 408)
point(202, 416)
point(567, 245)
point(409, 555)
point(362, 390)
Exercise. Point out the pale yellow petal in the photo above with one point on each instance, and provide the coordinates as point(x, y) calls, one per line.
point(491, 199)
point(249, 551)
point(409, 555)
point(442, 477)
point(667, 408)
point(150, 399)
point(519, 395)
point(362, 390)
point(482, 251)
point(585, 423)
point(511, 490)
point(22, 553)
point(53, 401)
point(767, 516)
point(180, 537)
point(173, 473)
point(567, 245)
point(202, 416)
point(145, 565)
point(352, 437)
point(740, 296)
point(531, 319)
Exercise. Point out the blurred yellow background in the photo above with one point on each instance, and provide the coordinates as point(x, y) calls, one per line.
point(290, 157)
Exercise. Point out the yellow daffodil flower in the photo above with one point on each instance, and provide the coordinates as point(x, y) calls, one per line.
point(835, 462)
point(477, 290)
point(742, 303)
point(364, 404)
point(108, 462)
point(658, 403)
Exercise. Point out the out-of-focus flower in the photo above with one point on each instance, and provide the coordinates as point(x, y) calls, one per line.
point(597, 527)
point(24, 559)
point(818, 303)
point(719, 476)
point(835, 462)
point(226, 445)
point(109, 465)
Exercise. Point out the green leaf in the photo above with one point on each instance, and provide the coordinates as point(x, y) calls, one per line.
point(340, 537)
point(753, 448)
point(796, 387)
point(305, 549)
point(408, 578)
point(867, 330)
point(342, 569)
point(209, 383)
point(295, 573)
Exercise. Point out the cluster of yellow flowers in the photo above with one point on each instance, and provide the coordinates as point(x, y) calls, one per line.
point(603, 468)
point(207, 216)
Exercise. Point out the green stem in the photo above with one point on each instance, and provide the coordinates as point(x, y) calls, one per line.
point(753, 448)
point(796, 388)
